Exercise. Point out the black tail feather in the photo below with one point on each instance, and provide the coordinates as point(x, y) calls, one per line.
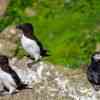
point(44, 53)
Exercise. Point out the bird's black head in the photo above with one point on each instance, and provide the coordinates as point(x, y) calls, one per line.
point(26, 28)
point(4, 63)
point(3, 60)
point(96, 58)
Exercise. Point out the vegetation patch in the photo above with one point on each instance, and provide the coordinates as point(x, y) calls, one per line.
point(66, 28)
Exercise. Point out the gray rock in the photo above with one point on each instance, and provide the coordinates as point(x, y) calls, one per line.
point(8, 41)
point(9, 34)
point(7, 48)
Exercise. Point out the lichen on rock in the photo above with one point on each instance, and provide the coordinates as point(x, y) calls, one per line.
point(8, 41)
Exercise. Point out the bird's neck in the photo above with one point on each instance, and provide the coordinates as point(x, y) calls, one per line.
point(28, 35)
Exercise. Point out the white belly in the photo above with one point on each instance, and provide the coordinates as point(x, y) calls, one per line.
point(6, 79)
point(30, 46)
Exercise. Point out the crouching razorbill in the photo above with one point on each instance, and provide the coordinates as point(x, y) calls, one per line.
point(9, 79)
point(93, 71)
point(30, 42)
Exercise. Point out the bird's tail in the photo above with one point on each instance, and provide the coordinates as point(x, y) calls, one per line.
point(44, 52)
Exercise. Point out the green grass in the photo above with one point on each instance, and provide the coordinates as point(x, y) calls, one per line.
point(66, 28)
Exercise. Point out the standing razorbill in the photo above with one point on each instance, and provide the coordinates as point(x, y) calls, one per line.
point(30, 42)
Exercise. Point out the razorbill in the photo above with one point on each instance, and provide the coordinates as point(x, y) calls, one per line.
point(9, 79)
point(30, 42)
point(93, 71)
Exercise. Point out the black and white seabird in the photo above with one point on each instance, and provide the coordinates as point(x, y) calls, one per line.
point(30, 42)
point(8, 77)
point(93, 71)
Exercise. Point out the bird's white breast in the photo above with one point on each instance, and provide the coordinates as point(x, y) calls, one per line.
point(29, 45)
point(6, 78)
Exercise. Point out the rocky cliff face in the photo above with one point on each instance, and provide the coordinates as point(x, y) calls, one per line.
point(8, 36)
point(8, 41)
point(51, 84)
